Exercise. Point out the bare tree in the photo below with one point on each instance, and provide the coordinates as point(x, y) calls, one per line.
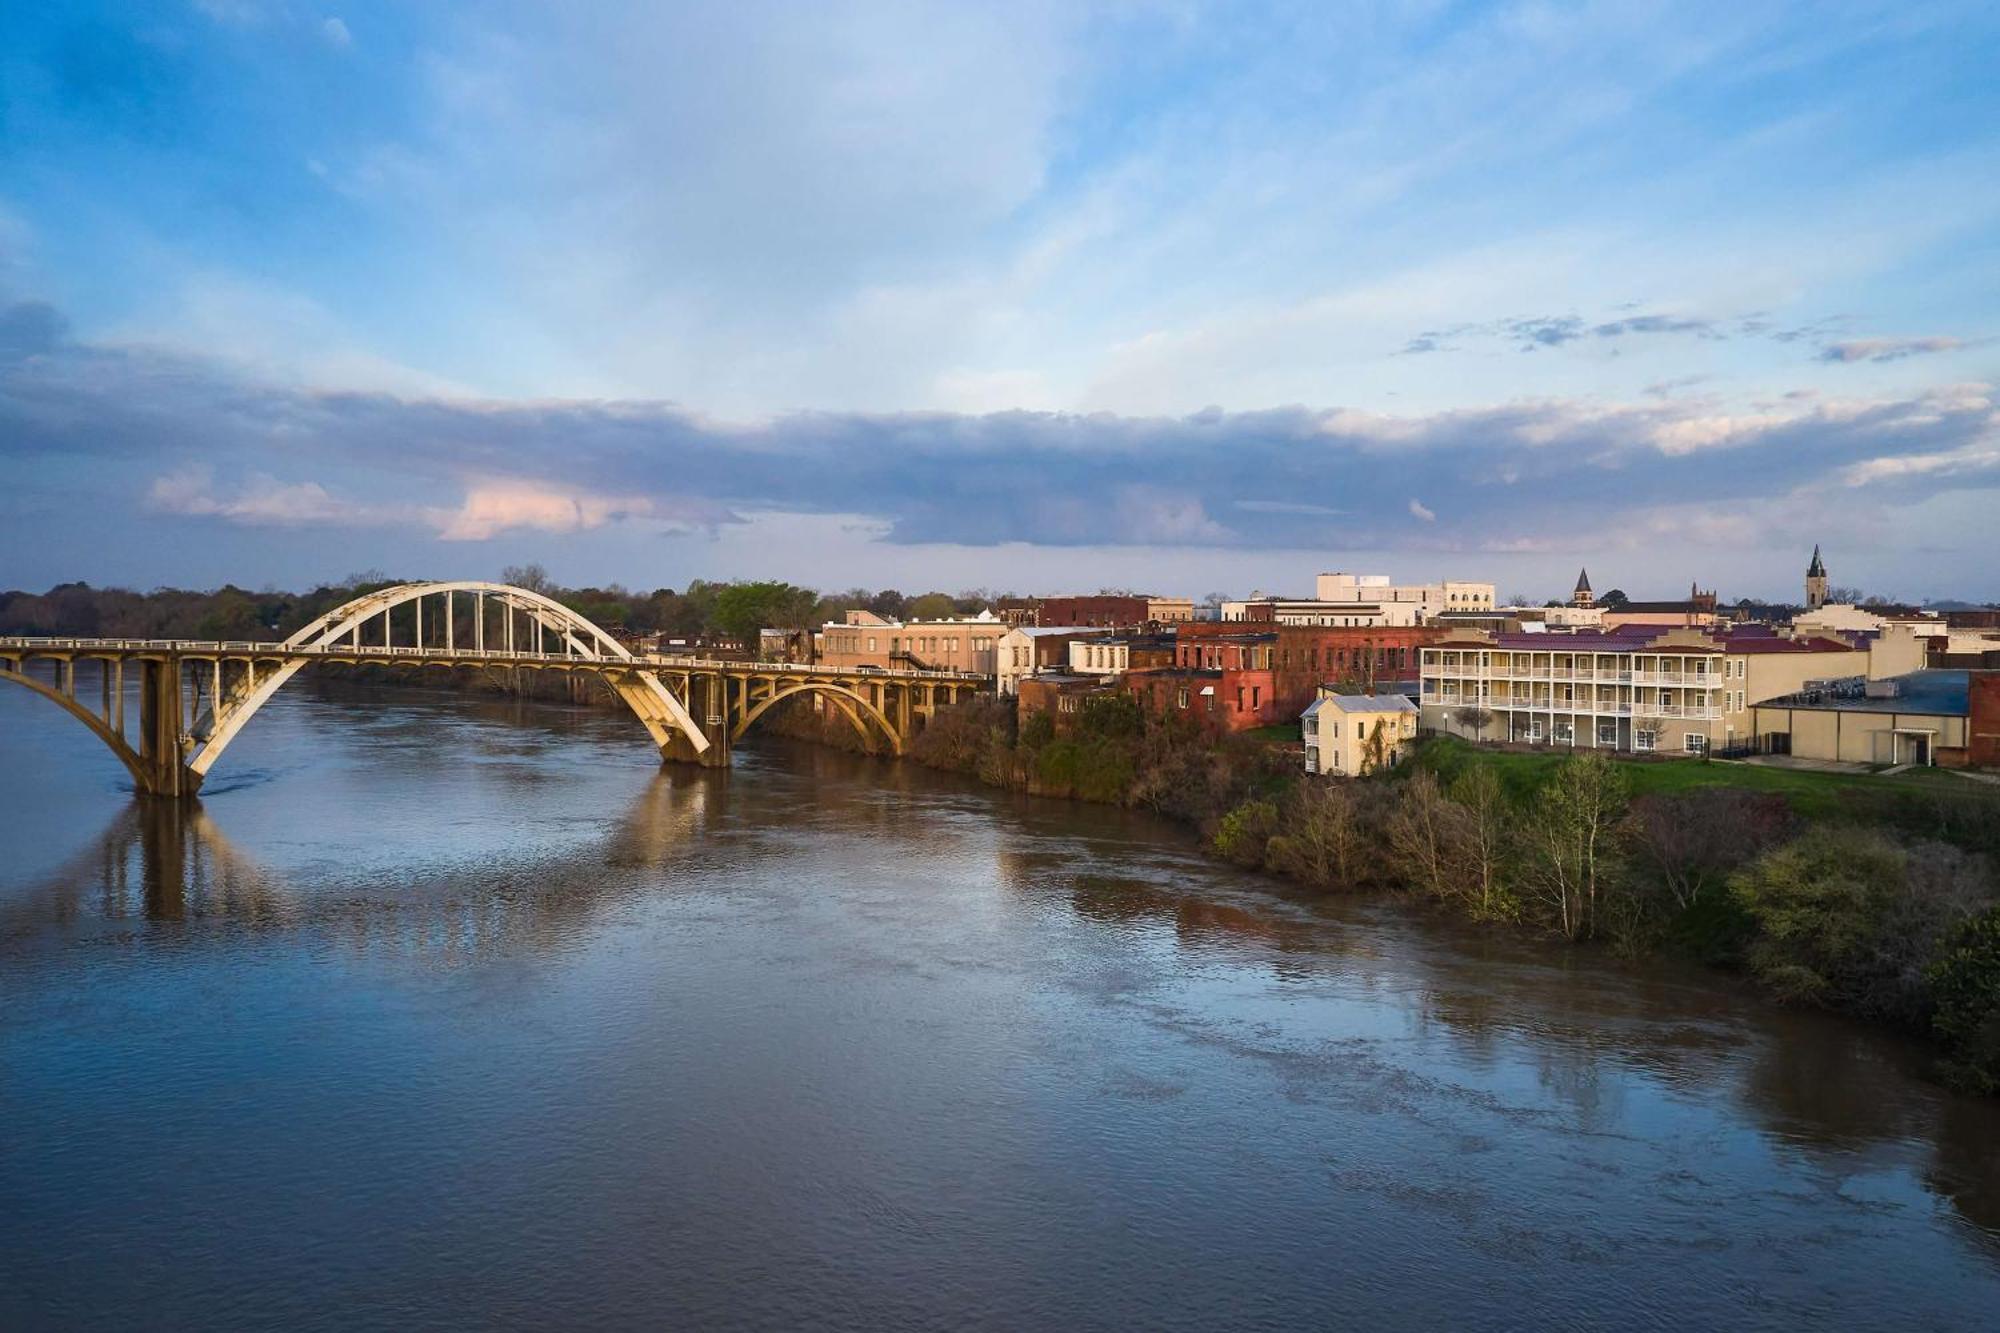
point(1695, 839)
point(1572, 851)
point(1327, 838)
point(1489, 826)
point(1473, 718)
point(1430, 837)
point(532, 577)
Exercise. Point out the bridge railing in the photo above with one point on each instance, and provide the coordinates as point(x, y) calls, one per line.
point(262, 648)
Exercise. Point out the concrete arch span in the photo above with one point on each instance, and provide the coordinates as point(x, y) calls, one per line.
point(858, 710)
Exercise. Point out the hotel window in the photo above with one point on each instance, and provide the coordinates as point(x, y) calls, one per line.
point(1642, 740)
point(1695, 743)
point(1607, 733)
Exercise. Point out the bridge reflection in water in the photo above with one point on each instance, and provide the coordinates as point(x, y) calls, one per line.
point(162, 861)
point(195, 696)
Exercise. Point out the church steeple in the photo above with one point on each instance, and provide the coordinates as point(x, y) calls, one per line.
point(1583, 596)
point(1815, 581)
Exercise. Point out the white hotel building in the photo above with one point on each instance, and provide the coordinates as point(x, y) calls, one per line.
point(1646, 689)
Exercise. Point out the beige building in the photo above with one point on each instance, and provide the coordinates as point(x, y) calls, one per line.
point(1169, 610)
point(1429, 599)
point(1677, 690)
point(1027, 649)
point(1847, 618)
point(1906, 720)
point(1348, 735)
point(1281, 611)
point(866, 640)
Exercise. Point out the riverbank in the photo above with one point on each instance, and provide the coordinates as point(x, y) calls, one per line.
point(1866, 895)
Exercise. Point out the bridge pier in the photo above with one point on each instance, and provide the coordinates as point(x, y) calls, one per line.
point(707, 702)
point(163, 738)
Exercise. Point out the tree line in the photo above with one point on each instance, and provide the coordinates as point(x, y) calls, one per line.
point(700, 610)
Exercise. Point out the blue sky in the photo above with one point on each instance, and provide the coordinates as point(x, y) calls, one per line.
point(1034, 296)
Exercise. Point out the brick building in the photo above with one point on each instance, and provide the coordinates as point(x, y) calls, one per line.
point(1301, 658)
point(1220, 700)
point(1060, 695)
point(1982, 733)
point(1102, 611)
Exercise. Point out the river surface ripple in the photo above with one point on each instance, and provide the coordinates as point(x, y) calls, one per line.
point(440, 1012)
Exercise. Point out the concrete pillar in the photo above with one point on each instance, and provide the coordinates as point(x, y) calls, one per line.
point(163, 732)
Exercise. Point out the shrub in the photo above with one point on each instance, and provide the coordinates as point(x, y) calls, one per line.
point(1965, 985)
point(1244, 833)
point(1817, 903)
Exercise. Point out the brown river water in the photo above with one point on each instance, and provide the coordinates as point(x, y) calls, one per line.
point(438, 1012)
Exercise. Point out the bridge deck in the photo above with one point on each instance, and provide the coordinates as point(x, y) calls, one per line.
point(207, 649)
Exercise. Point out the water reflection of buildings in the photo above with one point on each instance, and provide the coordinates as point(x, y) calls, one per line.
point(163, 862)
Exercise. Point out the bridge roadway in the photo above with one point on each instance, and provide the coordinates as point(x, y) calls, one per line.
point(195, 696)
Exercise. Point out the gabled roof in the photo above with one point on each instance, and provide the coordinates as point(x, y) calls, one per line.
point(1366, 703)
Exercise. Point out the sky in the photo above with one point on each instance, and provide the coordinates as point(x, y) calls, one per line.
point(1030, 296)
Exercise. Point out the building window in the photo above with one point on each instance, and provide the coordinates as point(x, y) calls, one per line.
point(1607, 733)
point(1642, 740)
point(1694, 742)
point(1181, 698)
point(1255, 691)
point(1067, 703)
point(871, 643)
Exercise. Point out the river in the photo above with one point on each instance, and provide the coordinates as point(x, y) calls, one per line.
point(449, 1012)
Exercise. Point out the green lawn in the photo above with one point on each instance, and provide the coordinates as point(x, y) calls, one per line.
point(1521, 773)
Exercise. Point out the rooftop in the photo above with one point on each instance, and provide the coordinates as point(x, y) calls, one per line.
point(1945, 693)
point(1363, 703)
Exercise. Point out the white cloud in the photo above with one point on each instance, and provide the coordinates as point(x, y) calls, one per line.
point(493, 507)
point(262, 501)
point(1887, 349)
point(336, 33)
point(1418, 511)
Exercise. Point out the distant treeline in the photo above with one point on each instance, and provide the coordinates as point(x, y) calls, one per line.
point(734, 610)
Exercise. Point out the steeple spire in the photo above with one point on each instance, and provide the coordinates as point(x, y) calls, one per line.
point(1816, 581)
point(1583, 596)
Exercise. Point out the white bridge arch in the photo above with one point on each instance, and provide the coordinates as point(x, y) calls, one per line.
point(663, 715)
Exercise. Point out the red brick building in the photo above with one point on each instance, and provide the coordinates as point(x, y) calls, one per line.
point(1103, 611)
point(1218, 701)
point(1300, 658)
point(1982, 726)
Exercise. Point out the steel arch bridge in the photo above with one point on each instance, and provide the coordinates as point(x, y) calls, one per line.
point(195, 696)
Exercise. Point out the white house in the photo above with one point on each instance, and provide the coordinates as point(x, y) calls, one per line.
point(1347, 735)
